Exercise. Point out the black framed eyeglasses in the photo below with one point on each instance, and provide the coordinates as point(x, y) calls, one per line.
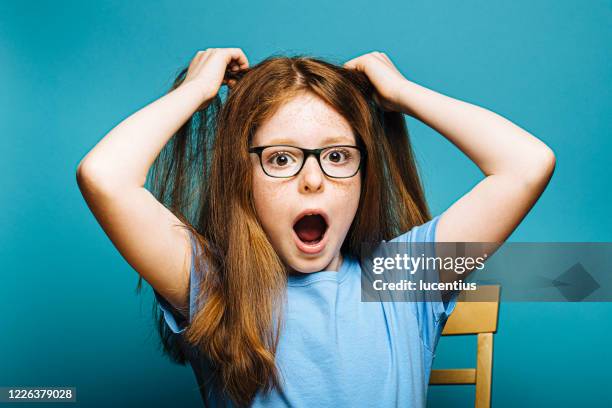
point(283, 161)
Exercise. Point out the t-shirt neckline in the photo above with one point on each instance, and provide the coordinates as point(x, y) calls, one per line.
point(303, 279)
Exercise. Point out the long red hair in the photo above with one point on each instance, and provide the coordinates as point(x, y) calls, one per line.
point(242, 278)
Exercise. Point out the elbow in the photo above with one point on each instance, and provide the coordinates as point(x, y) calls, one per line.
point(86, 176)
point(97, 176)
point(543, 166)
point(547, 162)
point(91, 177)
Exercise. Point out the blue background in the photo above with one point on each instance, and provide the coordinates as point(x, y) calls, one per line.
point(70, 71)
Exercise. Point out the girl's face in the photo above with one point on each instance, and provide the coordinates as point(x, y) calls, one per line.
point(305, 243)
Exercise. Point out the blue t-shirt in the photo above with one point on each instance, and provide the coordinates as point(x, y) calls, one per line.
point(338, 351)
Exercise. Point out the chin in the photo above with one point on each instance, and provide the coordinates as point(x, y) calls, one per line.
point(310, 265)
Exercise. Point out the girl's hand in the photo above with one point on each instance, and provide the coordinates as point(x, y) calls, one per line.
point(207, 69)
point(384, 76)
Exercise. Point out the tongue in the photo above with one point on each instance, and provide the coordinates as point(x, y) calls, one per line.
point(310, 228)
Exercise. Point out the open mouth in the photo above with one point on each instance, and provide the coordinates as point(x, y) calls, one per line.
point(310, 228)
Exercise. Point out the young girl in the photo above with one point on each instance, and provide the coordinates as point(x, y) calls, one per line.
point(261, 203)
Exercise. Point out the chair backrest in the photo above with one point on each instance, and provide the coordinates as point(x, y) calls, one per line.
point(476, 313)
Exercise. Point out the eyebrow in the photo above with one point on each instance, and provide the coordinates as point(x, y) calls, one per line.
point(327, 141)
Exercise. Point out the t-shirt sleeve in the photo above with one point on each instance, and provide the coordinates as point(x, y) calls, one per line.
point(174, 319)
point(432, 312)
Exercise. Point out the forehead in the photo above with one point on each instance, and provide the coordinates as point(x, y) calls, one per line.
point(306, 121)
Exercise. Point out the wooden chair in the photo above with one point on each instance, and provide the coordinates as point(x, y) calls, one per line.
point(475, 313)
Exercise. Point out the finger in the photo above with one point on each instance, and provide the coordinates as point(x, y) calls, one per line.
point(379, 56)
point(354, 63)
point(201, 58)
point(196, 58)
point(237, 55)
point(386, 57)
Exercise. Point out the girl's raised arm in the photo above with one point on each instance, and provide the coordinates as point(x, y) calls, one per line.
point(517, 166)
point(113, 174)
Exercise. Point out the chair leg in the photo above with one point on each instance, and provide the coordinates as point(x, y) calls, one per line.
point(484, 370)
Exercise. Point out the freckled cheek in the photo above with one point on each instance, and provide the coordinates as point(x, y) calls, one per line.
point(346, 201)
point(271, 203)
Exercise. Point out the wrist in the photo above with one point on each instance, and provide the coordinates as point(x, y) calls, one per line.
point(408, 95)
point(201, 93)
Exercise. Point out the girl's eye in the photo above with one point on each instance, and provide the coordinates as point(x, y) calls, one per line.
point(338, 156)
point(280, 159)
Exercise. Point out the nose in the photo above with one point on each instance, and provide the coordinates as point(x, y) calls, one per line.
point(311, 176)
